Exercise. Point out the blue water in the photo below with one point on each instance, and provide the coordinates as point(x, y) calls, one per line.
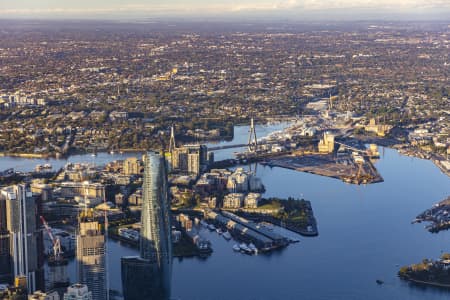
point(26, 165)
point(365, 233)
point(241, 135)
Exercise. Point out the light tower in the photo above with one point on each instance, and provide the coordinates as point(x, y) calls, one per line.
point(252, 141)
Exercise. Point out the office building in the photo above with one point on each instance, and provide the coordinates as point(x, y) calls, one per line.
point(25, 240)
point(150, 273)
point(5, 261)
point(91, 259)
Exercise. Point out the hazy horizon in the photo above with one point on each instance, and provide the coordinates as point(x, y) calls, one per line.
point(293, 10)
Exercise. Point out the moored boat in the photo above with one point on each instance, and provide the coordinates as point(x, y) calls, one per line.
point(226, 235)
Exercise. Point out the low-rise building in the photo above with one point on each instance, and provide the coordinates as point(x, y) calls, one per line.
point(252, 200)
point(78, 292)
point(233, 200)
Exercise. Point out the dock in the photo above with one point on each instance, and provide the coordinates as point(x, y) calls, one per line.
point(327, 165)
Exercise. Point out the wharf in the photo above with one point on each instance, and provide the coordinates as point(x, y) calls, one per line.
point(326, 165)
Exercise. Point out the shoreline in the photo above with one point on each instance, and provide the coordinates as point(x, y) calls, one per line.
point(428, 283)
point(26, 155)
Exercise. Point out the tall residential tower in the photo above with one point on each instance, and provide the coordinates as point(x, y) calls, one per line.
point(148, 276)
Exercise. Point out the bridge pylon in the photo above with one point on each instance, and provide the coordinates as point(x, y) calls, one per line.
point(252, 140)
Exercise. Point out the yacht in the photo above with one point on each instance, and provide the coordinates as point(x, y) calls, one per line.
point(226, 235)
point(245, 248)
point(253, 248)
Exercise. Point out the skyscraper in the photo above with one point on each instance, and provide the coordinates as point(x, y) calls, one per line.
point(91, 259)
point(5, 261)
point(20, 217)
point(148, 276)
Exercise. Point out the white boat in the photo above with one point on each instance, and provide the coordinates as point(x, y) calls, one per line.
point(236, 247)
point(226, 235)
point(245, 248)
point(219, 231)
point(253, 248)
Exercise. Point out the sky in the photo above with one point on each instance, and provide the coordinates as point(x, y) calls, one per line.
point(292, 9)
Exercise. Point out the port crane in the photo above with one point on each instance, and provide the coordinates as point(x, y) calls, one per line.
point(56, 242)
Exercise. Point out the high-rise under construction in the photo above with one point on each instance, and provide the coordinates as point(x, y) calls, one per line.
point(91, 258)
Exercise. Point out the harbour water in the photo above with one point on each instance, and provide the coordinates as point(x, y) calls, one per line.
point(365, 234)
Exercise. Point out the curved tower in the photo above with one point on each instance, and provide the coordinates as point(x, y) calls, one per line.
point(148, 275)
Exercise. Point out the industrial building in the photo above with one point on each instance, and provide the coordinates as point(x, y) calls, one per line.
point(326, 143)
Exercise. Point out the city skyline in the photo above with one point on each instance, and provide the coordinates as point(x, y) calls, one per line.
point(224, 150)
point(272, 9)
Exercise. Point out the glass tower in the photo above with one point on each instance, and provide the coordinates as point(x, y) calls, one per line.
point(150, 273)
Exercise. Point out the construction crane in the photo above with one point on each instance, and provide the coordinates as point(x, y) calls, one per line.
point(57, 252)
